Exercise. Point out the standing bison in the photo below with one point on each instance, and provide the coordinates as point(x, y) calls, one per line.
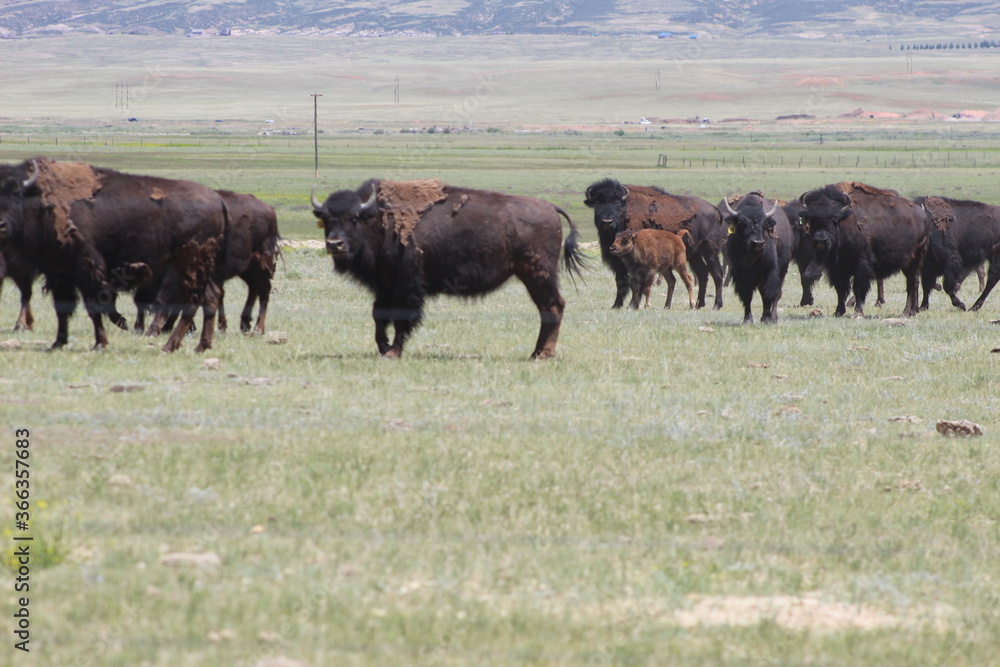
point(618, 208)
point(760, 249)
point(100, 231)
point(407, 240)
point(649, 252)
point(964, 234)
point(861, 234)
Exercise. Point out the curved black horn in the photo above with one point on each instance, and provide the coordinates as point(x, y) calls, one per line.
point(729, 208)
point(371, 200)
point(315, 202)
point(33, 177)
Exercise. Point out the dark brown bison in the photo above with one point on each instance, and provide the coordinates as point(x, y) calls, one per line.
point(102, 232)
point(964, 234)
point(760, 249)
point(407, 240)
point(649, 252)
point(249, 250)
point(620, 207)
point(861, 234)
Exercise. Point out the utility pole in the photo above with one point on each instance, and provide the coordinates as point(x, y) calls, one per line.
point(316, 132)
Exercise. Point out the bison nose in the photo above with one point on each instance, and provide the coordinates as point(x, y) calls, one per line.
point(335, 246)
point(757, 245)
point(607, 222)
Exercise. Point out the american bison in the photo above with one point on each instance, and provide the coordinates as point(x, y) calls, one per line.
point(407, 240)
point(760, 249)
point(648, 252)
point(963, 235)
point(618, 208)
point(860, 234)
point(249, 251)
point(101, 231)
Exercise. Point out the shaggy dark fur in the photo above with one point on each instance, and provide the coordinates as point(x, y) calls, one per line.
point(964, 235)
point(760, 249)
point(867, 235)
point(468, 244)
point(110, 232)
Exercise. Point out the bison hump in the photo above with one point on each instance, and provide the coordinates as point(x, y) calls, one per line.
point(403, 202)
point(850, 187)
point(940, 212)
point(656, 208)
point(63, 184)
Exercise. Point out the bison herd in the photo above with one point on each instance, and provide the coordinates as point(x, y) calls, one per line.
point(94, 233)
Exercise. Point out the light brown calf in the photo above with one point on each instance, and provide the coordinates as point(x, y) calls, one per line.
point(648, 252)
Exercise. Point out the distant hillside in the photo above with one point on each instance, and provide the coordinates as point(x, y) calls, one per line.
point(802, 18)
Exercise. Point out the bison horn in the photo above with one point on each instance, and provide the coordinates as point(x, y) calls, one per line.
point(774, 209)
point(315, 202)
point(371, 200)
point(33, 177)
point(728, 207)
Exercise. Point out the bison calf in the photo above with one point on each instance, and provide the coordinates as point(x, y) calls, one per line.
point(651, 251)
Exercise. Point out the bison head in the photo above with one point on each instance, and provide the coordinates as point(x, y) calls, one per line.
point(750, 225)
point(823, 211)
point(608, 199)
point(342, 217)
point(624, 244)
point(15, 184)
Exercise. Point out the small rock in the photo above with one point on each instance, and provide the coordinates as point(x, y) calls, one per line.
point(960, 427)
point(279, 661)
point(277, 338)
point(258, 529)
point(126, 388)
point(195, 559)
point(906, 418)
point(10, 344)
point(759, 364)
point(212, 364)
point(815, 312)
point(895, 321)
point(706, 329)
point(120, 479)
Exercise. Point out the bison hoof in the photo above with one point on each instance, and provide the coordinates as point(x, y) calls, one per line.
point(392, 353)
point(543, 354)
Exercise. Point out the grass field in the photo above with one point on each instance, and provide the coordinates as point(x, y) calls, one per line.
point(673, 488)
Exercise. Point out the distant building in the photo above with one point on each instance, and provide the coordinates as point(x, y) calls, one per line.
point(693, 36)
point(665, 35)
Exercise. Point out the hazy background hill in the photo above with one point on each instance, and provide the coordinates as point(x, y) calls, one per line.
point(803, 18)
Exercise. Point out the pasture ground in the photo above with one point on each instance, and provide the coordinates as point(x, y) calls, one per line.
point(673, 488)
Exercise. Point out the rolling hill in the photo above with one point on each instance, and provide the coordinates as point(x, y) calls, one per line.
point(800, 18)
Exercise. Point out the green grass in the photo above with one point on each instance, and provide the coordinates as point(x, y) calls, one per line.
point(673, 488)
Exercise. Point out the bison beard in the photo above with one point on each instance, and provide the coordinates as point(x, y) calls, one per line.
point(467, 243)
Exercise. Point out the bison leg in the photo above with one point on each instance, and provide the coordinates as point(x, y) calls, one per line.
point(221, 311)
point(744, 290)
point(715, 269)
point(880, 299)
point(952, 281)
point(186, 318)
point(622, 284)
point(700, 270)
point(381, 315)
point(671, 283)
point(25, 318)
point(688, 283)
point(639, 280)
point(927, 280)
point(545, 294)
point(64, 302)
point(213, 296)
point(770, 294)
point(991, 281)
point(263, 293)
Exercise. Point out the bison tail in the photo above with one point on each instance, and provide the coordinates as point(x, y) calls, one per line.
point(689, 241)
point(573, 258)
